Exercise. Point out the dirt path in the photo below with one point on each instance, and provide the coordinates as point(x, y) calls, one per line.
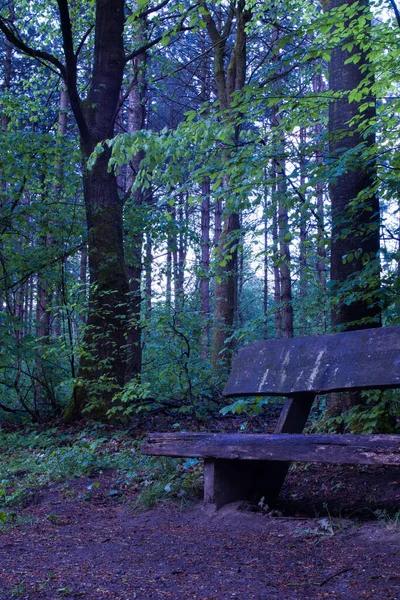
point(66, 546)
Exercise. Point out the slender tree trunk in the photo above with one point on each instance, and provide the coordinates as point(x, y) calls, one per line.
point(7, 66)
point(225, 292)
point(284, 235)
point(45, 278)
point(168, 285)
point(275, 246)
point(284, 257)
point(148, 265)
point(217, 221)
point(5, 119)
point(83, 280)
point(266, 265)
point(303, 263)
point(179, 274)
point(136, 122)
point(205, 268)
point(318, 88)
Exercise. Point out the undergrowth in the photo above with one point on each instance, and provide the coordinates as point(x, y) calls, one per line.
point(33, 459)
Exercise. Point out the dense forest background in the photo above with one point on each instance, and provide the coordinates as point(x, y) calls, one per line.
point(178, 180)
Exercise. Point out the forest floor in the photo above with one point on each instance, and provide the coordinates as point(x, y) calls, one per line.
point(335, 534)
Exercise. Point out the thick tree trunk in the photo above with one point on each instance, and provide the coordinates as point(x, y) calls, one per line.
point(355, 269)
point(103, 361)
point(355, 206)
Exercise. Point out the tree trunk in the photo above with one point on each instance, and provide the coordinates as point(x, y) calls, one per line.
point(320, 265)
point(148, 283)
point(103, 362)
point(217, 221)
point(229, 78)
point(45, 280)
point(277, 273)
point(303, 263)
point(205, 268)
point(225, 292)
point(284, 257)
point(136, 122)
point(180, 259)
point(104, 359)
point(355, 206)
point(355, 269)
point(265, 261)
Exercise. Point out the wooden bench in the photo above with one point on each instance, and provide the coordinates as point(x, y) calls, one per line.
point(254, 466)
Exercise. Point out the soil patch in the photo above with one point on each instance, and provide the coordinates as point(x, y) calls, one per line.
point(80, 540)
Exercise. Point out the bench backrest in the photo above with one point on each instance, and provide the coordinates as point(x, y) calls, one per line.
point(363, 359)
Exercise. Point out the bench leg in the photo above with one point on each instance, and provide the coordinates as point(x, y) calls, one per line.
point(228, 481)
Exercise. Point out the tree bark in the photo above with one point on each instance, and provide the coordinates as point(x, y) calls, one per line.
point(225, 292)
point(303, 262)
point(284, 259)
point(355, 269)
point(277, 273)
point(103, 359)
point(205, 268)
point(266, 265)
point(355, 206)
point(229, 78)
point(136, 122)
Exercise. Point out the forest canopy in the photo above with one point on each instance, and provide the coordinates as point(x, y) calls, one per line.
point(180, 179)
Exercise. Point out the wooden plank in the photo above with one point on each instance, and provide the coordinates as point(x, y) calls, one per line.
point(329, 448)
point(368, 358)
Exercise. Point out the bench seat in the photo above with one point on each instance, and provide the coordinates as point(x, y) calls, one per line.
point(329, 448)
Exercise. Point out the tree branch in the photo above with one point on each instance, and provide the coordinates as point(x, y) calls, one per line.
point(83, 40)
point(158, 39)
point(144, 48)
point(70, 76)
point(148, 12)
point(15, 39)
point(396, 11)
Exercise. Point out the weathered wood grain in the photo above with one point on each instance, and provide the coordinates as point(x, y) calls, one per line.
point(363, 359)
point(329, 448)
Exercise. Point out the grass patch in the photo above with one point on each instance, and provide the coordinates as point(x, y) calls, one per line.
point(169, 478)
point(32, 459)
